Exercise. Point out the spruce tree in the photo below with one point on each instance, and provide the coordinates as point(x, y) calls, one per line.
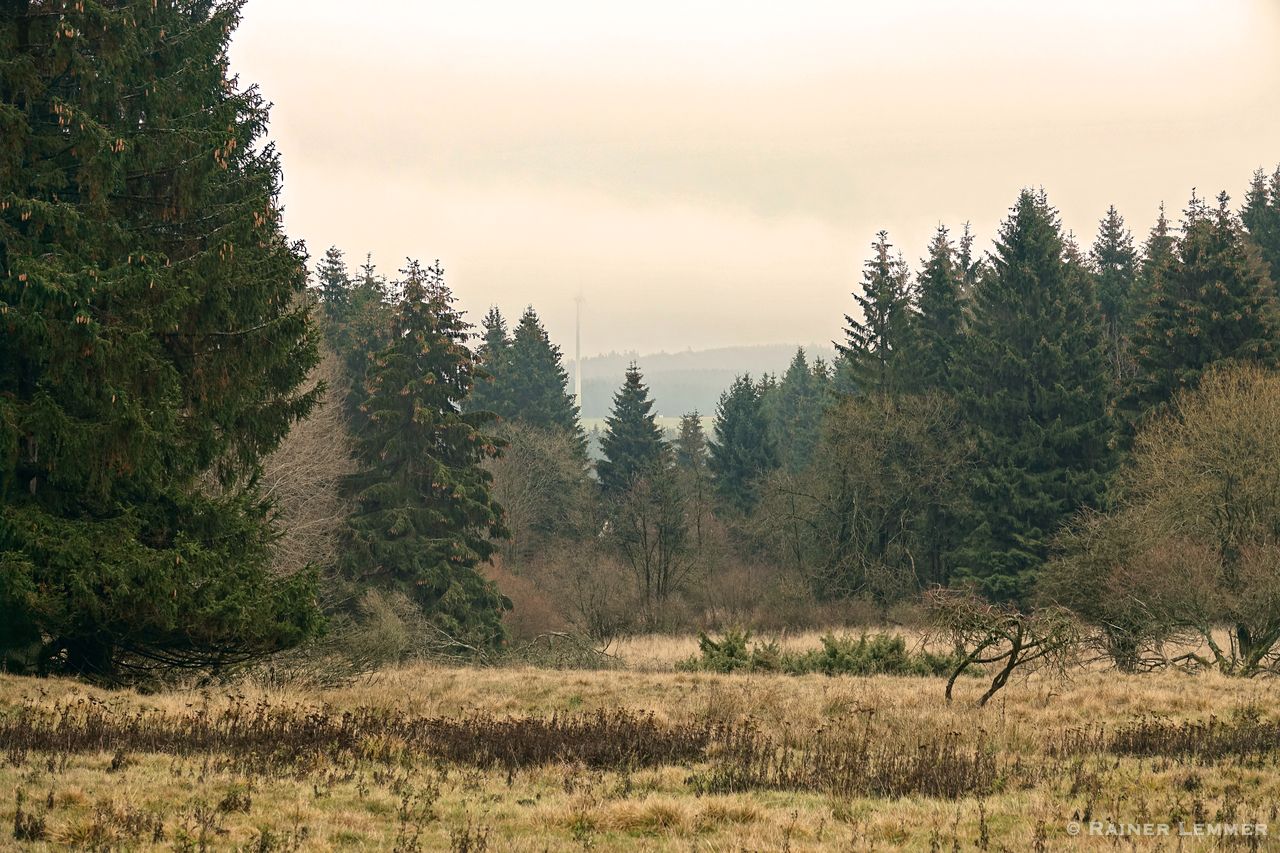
point(694, 478)
point(742, 451)
point(1115, 262)
point(795, 418)
point(1261, 217)
point(633, 446)
point(334, 285)
point(874, 345)
point(536, 382)
point(362, 330)
point(1033, 386)
point(153, 341)
point(940, 318)
point(424, 515)
point(491, 391)
point(691, 443)
point(1212, 303)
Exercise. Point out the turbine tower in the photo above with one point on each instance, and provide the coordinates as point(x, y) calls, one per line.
point(577, 354)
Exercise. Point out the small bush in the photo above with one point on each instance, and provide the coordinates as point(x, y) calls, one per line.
point(869, 654)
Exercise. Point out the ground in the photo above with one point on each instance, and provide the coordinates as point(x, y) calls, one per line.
point(640, 758)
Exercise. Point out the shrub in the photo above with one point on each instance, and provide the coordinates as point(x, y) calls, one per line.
point(869, 654)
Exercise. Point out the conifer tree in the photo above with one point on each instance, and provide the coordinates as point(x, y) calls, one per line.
point(1033, 386)
point(795, 416)
point(362, 329)
point(1261, 217)
point(691, 443)
point(940, 321)
point(872, 352)
point(633, 446)
point(425, 516)
point(152, 338)
point(742, 451)
point(535, 381)
point(334, 284)
point(1115, 262)
point(695, 479)
point(1212, 303)
point(491, 391)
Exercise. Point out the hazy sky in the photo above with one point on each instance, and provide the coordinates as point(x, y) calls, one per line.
point(712, 173)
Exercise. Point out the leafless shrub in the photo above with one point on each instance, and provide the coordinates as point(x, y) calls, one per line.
point(1000, 636)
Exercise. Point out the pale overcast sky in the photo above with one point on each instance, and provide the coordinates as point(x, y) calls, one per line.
point(712, 173)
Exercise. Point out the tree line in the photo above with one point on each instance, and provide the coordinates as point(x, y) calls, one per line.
point(1035, 424)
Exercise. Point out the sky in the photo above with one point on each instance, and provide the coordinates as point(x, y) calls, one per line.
point(711, 174)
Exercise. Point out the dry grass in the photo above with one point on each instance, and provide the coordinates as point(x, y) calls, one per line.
point(1054, 751)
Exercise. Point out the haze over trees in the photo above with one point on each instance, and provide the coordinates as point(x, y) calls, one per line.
point(1036, 425)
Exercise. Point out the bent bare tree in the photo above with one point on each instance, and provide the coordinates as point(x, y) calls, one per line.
point(1001, 636)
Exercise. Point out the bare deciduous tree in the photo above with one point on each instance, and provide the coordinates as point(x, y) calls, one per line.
point(987, 634)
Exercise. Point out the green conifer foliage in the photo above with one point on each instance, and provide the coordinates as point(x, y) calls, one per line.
point(940, 321)
point(491, 391)
point(795, 412)
point(1261, 217)
point(872, 353)
point(743, 451)
point(1033, 386)
point(633, 446)
point(1211, 302)
point(153, 339)
point(424, 513)
point(536, 382)
point(1115, 261)
point(334, 285)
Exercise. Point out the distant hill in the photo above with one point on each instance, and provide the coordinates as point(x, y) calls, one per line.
point(684, 381)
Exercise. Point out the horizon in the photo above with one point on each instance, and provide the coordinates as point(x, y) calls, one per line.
point(698, 162)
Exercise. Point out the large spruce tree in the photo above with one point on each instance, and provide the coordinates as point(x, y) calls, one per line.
point(742, 451)
point(1211, 301)
point(871, 355)
point(940, 318)
point(1115, 262)
point(633, 446)
point(491, 393)
point(536, 381)
point(795, 412)
point(1033, 386)
point(153, 338)
point(424, 516)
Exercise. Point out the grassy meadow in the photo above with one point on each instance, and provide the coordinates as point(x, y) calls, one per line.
point(639, 757)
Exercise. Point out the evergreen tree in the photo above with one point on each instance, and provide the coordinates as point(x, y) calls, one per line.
point(535, 381)
point(969, 266)
point(695, 479)
point(742, 451)
point(1115, 261)
point(691, 443)
point(152, 339)
point(795, 418)
point(360, 331)
point(1033, 386)
point(632, 446)
point(871, 354)
point(491, 391)
point(334, 284)
point(1212, 303)
point(424, 515)
point(1261, 217)
point(940, 321)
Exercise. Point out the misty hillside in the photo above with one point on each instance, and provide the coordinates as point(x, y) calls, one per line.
point(681, 382)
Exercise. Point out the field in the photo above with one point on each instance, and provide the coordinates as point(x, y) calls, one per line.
point(637, 758)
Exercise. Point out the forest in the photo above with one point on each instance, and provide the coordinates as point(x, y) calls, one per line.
point(229, 468)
